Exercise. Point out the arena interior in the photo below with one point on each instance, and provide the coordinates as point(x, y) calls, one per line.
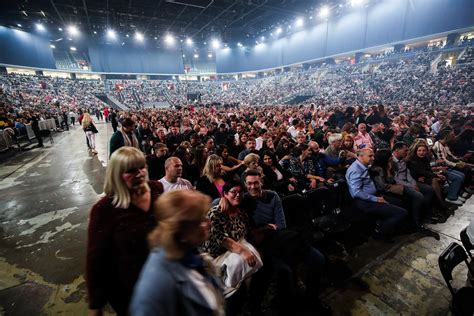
point(318, 153)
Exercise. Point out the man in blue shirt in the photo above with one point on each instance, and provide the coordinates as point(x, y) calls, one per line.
point(362, 189)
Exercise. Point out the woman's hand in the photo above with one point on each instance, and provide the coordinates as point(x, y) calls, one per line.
point(248, 256)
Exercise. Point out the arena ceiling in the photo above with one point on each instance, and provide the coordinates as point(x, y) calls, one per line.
point(229, 20)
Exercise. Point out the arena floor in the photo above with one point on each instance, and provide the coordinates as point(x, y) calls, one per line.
point(45, 198)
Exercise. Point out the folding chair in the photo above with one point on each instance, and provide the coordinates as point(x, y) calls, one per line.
point(466, 242)
point(462, 302)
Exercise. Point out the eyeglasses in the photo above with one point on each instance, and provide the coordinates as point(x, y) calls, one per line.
point(235, 193)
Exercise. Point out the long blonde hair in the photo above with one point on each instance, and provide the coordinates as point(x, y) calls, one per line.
point(86, 120)
point(122, 160)
point(173, 210)
point(210, 168)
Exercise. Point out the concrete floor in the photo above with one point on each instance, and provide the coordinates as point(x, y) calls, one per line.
point(45, 198)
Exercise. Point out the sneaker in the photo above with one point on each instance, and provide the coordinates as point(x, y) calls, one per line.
point(466, 195)
point(462, 199)
point(455, 202)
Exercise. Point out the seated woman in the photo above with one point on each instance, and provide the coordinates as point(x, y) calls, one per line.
point(419, 164)
point(118, 228)
point(212, 182)
point(229, 224)
point(176, 280)
point(197, 164)
point(252, 162)
point(230, 165)
point(276, 178)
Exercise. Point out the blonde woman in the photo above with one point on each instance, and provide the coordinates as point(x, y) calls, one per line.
point(118, 228)
point(212, 182)
point(90, 130)
point(176, 280)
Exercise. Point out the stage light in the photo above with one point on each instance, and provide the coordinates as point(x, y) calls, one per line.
point(40, 27)
point(279, 30)
point(73, 48)
point(169, 39)
point(155, 37)
point(127, 35)
point(52, 46)
point(111, 34)
point(60, 29)
point(299, 22)
point(209, 55)
point(189, 41)
point(73, 30)
point(196, 56)
point(139, 36)
point(324, 12)
point(95, 32)
point(240, 44)
point(215, 43)
point(19, 25)
point(262, 38)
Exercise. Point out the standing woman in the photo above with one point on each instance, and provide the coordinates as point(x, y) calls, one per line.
point(118, 228)
point(176, 280)
point(90, 130)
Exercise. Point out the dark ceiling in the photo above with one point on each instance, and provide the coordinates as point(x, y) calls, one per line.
point(231, 21)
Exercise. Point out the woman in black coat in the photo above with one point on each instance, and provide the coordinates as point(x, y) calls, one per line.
point(276, 178)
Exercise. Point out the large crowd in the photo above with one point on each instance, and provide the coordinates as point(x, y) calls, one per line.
point(249, 184)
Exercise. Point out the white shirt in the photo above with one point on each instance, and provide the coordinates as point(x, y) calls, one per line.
point(180, 184)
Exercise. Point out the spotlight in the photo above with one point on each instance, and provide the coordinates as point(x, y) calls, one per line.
point(279, 30)
point(209, 55)
point(127, 35)
point(239, 44)
point(139, 36)
point(196, 56)
point(299, 22)
point(215, 43)
point(60, 29)
point(52, 46)
point(73, 48)
point(189, 41)
point(73, 30)
point(155, 37)
point(169, 39)
point(262, 38)
point(40, 27)
point(111, 34)
point(324, 12)
point(95, 32)
point(19, 25)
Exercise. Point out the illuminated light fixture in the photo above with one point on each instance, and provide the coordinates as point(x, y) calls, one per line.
point(43, 13)
point(95, 32)
point(60, 29)
point(279, 30)
point(189, 41)
point(240, 44)
point(215, 43)
point(127, 35)
point(73, 30)
point(271, 34)
point(52, 46)
point(311, 17)
point(356, 2)
point(156, 37)
point(73, 48)
point(40, 27)
point(111, 34)
point(324, 12)
point(24, 12)
point(299, 22)
point(196, 56)
point(169, 39)
point(139, 36)
point(262, 38)
point(19, 25)
point(184, 56)
point(209, 55)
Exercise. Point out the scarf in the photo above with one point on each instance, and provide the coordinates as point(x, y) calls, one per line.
point(133, 142)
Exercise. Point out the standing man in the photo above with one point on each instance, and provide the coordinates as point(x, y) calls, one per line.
point(113, 119)
point(33, 121)
point(125, 136)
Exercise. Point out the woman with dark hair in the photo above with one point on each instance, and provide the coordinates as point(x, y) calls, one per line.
point(197, 165)
point(276, 178)
point(283, 149)
point(184, 154)
point(229, 163)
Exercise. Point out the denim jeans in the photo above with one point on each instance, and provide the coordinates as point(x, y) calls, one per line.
point(389, 216)
point(456, 180)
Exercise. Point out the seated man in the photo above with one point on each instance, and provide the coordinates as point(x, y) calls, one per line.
point(250, 148)
point(172, 179)
point(283, 252)
point(362, 189)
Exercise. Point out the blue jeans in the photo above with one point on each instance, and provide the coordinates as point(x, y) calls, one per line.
point(456, 180)
point(389, 216)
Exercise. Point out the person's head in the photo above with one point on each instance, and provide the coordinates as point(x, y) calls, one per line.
point(200, 155)
point(183, 224)
point(160, 150)
point(300, 138)
point(382, 158)
point(447, 137)
point(126, 173)
point(243, 139)
point(268, 159)
point(213, 167)
point(335, 141)
point(233, 193)
point(348, 142)
point(366, 156)
point(400, 150)
point(302, 150)
point(173, 169)
point(362, 128)
point(223, 151)
point(253, 182)
point(251, 161)
point(377, 127)
point(128, 125)
point(194, 139)
point(250, 144)
point(314, 146)
point(209, 142)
